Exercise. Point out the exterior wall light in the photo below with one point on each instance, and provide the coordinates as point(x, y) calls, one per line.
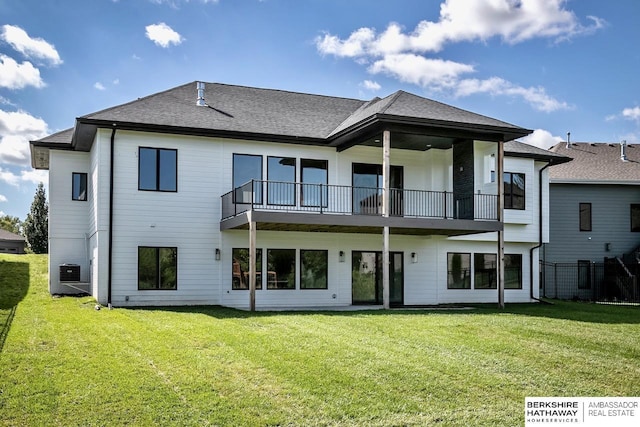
point(414, 257)
point(341, 256)
point(217, 254)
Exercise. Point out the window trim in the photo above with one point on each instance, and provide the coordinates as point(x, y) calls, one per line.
point(235, 186)
point(493, 285)
point(295, 266)
point(581, 226)
point(158, 171)
point(633, 229)
point(157, 259)
point(326, 269)
point(521, 285)
point(285, 184)
point(508, 200)
point(469, 270)
point(86, 186)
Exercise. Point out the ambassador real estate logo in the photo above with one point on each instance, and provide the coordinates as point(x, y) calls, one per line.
point(582, 411)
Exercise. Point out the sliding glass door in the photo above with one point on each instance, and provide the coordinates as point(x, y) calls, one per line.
point(366, 278)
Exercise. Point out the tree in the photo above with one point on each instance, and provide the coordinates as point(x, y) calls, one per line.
point(36, 225)
point(10, 223)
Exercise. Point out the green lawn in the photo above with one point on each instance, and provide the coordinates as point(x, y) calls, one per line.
point(64, 363)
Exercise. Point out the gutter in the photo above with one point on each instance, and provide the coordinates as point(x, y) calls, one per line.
point(539, 245)
point(111, 168)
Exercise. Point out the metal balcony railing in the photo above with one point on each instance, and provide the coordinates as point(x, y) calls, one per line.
point(279, 196)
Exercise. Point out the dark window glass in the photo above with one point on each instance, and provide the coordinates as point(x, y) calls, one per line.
point(281, 174)
point(513, 271)
point(485, 271)
point(514, 185)
point(79, 186)
point(240, 269)
point(314, 177)
point(157, 268)
point(585, 216)
point(281, 268)
point(158, 169)
point(458, 271)
point(635, 217)
point(245, 168)
point(313, 269)
point(367, 189)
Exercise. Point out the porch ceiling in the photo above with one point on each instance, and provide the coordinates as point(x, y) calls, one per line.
point(363, 224)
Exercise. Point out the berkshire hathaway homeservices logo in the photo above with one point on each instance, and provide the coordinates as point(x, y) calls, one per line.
point(582, 411)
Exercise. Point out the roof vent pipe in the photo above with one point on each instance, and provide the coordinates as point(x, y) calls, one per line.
point(623, 151)
point(200, 101)
point(568, 139)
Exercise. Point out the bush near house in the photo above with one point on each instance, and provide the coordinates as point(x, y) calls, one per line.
point(64, 363)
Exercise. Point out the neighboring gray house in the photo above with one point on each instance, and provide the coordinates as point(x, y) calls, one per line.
point(11, 243)
point(594, 209)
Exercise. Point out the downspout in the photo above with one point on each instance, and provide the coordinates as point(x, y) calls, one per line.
point(110, 268)
point(539, 245)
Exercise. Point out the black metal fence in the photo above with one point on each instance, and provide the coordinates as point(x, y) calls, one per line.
point(611, 281)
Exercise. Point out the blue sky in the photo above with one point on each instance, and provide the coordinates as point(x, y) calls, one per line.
point(548, 65)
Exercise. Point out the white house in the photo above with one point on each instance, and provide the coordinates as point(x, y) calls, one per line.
point(393, 201)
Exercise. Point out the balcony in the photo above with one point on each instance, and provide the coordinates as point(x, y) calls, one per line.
point(320, 207)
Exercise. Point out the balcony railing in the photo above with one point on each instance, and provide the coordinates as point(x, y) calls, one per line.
point(345, 200)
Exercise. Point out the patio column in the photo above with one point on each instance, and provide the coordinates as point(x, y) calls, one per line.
point(386, 171)
point(252, 262)
point(500, 182)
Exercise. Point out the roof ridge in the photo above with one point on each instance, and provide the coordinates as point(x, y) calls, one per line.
point(393, 98)
point(277, 90)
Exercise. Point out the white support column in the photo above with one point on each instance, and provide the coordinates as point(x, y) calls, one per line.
point(252, 262)
point(386, 172)
point(500, 182)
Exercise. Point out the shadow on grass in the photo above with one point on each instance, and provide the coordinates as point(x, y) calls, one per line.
point(14, 285)
point(577, 311)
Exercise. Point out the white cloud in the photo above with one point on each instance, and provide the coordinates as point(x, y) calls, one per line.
point(17, 128)
point(99, 86)
point(9, 177)
point(402, 54)
point(3, 198)
point(631, 113)
point(419, 70)
point(542, 139)
point(371, 85)
point(34, 48)
point(537, 97)
point(18, 76)
point(163, 35)
point(35, 176)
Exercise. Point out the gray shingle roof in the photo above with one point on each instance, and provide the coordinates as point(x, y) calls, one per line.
point(597, 163)
point(520, 149)
point(62, 137)
point(7, 235)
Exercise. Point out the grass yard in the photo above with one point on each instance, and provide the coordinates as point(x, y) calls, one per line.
point(64, 363)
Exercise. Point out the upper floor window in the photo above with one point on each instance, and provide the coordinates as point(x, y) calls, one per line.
point(281, 174)
point(158, 169)
point(585, 216)
point(79, 186)
point(514, 185)
point(247, 167)
point(314, 177)
point(635, 217)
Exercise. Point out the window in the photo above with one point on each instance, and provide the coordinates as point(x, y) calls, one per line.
point(367, 189)
point(79, 186)
point(157, 169)
point(313, 269)
point(485, 271)
point(458, 271)
point(245, 168)
point(585, 216)
point(281, 174)
point(240, 268)
point(513, 271)
point(514, 190)
point(157, 268)
point(281, 268)
point(314, 178)
point(635, 217)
